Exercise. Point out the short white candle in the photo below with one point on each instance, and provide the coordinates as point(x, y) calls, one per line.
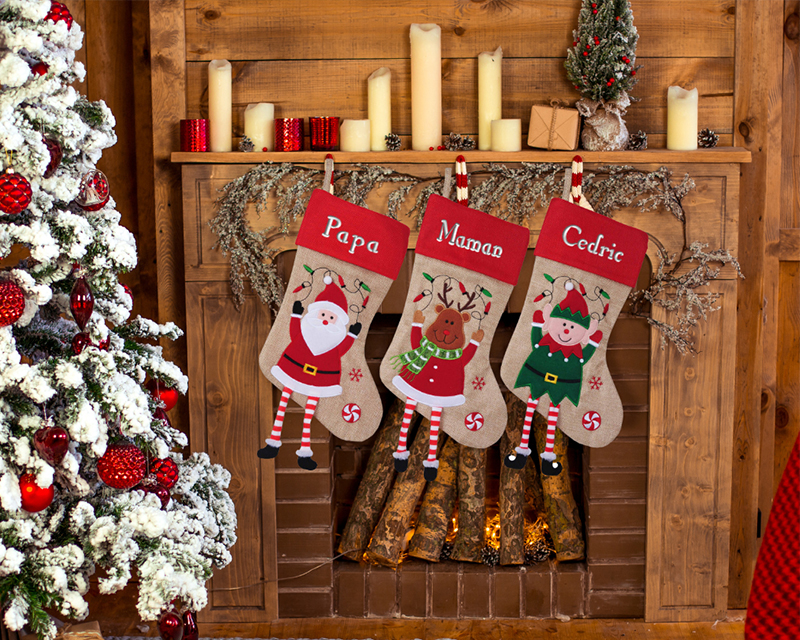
point(426, 86)
point(354, 135)
point(259, 125)
point(379, 107)
point(490, 94)
point(220, 136)
point(507, 135)
point(681, 119)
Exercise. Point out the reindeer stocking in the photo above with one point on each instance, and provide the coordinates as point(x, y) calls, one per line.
point(347, 258)
point(585, 266)
point(465, 267)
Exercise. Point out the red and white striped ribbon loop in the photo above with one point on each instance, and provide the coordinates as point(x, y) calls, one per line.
point(576, 188)
point(462, 195)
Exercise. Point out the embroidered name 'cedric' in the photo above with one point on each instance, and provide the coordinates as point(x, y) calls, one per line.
point(592, 247)
point(471, 244)
point(345, 237)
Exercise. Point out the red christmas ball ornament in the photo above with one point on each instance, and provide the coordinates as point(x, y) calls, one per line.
point(15, 192)
point(159, 490)
point(51, 443)
point(81, 302)
point(80, 342)
point(12, 303)
point(94, 191)
point(59, 13)
point(170, 626)
point(56, 155)
point(122, 466)
point(633, 73)
point(128, 291)
point(103, 344)
point(40, 68)
point(190, 630)
point(585, 53)
point(165, 471)
point(160, 392)
point(34, 497)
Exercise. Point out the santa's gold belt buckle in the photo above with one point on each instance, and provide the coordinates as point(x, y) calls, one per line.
point(549, 377)
point(310, 369)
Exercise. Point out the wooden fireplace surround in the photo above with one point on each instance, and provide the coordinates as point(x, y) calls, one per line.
point(691, 398)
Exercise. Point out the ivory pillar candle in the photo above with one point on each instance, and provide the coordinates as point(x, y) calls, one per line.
point(426, 86)
point(507, 135)
point(259, 125)
point(379, 107)
point(681, 119)
point(219, 106)
point(354, 135)
point(490, 94)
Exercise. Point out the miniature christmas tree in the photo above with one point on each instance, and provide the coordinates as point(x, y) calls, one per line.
point(601, 64)
point(89, 473)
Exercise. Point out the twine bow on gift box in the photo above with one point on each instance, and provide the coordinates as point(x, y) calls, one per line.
point(556, 105)
point(86, 631)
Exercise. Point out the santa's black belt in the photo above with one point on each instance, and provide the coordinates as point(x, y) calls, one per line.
point(308, 368)
point(548, 377)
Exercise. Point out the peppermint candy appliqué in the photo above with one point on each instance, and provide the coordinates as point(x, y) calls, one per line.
point(351, 412)
point(591, 420)
point(473, 421)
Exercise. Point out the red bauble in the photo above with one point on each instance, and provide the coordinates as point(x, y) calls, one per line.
point(80, 342)
point(161, 491)
point(103, 344)
point(34, 498)
point(168, 396)
point(94, 191)
point(128, 291)
point(59, 13)
point(81, 302)
point(40, 68)
point(56, 155)
point(12, 303)
point(165, 471)
point(122, 466)
point(190, 630)
point(170, 626)
point(51, 443)
point(15, 192)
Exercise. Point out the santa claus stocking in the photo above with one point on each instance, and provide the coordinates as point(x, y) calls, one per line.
point(465, 266)
point(347, 258)
point(585, 267)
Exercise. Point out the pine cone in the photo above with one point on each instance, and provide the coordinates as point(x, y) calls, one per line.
point(490, 556)
point(392, 142)
point(707, 139)
point(456, 142)
point(246, 144)
point(637, 141)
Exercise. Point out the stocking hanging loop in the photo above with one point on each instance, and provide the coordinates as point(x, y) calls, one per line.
point(576, 189)
point(447, 187)
point(462, 195)
point(327, 181)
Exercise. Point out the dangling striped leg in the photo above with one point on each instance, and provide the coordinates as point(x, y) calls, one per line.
point(431, 464)
point(304, 453)
point(549, 465)
point(518, 459)
point(274, 442)
point(401, 455)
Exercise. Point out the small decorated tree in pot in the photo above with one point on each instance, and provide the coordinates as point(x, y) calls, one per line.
point(601, 64)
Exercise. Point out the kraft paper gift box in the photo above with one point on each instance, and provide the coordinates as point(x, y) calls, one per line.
point(554, 127)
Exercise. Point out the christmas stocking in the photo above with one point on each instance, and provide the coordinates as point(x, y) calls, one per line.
point(466, 265)
point(347, 258)
point(585, 266)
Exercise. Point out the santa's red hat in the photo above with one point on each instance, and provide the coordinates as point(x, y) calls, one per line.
point(332, 299)
point(573, 307)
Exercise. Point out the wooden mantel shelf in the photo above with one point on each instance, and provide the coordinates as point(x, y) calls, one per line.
point(718, 155)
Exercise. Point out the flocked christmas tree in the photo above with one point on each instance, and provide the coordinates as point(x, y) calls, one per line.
point(601, 64)
point(89, 473)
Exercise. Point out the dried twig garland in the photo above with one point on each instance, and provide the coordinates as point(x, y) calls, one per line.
point(510, 192)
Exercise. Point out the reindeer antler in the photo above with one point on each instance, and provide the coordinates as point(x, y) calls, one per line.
point(446, 288)
point(470, 302)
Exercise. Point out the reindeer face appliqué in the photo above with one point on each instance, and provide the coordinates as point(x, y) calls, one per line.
point(447, 329)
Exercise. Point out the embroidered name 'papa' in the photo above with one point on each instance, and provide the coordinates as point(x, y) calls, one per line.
point(355, 241)
point(471, 244)
point(591, 247)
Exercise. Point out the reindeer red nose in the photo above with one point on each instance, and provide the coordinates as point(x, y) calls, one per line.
point(446, 332)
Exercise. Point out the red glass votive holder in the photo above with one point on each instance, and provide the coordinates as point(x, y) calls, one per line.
point(289, 134)
point(324, 133)
point(194, 135)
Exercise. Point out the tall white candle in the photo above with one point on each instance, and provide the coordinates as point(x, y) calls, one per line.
point(681, 119)
point(259, 125)
point(354, 135)
point(220, 136)
point(507, 135)
point(490, 94)
point(426, 86)
point(379, 107)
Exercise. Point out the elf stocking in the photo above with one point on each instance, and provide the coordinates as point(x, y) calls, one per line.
point(556, 361)
point(347, 258)
point(466, 265)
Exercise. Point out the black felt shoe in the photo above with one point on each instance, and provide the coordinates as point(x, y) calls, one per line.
point(400, 464)
point(306, 463)
point(551, 467)
point(268, 452)
point(430, 473)
point(515, 460)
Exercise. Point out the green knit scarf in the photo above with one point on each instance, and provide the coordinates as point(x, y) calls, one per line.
point(416, 359)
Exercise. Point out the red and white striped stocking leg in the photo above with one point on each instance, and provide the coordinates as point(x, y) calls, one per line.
point(549, 465)
point(304, 453)
point(274, 441)
point(517, 459)
point(431, 464)
point(401, 454)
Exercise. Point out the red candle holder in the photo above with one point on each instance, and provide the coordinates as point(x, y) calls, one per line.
point(288, 134)
point(194, 135)
point(324, 133)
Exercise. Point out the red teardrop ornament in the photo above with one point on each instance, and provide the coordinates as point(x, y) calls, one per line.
point(51, 443)
point(34, 497)
point(15, 192)
point(40, 68)
point(80, 342)
point(170, 626)
point(160, 392)
point(122, 466)
point(190, 630)
point(56, 155)
point(81, 302)
point(165, 470)
point(12, 303)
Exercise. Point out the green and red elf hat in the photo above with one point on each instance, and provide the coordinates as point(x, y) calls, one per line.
point(573, 307)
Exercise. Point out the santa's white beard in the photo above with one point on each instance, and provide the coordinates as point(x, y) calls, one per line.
point(319, 337)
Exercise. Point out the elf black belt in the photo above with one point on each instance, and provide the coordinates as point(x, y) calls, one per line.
point(308, 368)
point(549, 377)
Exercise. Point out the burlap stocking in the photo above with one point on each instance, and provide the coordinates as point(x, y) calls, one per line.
point(347, 258)
point(585, 267)
point(465, 267)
